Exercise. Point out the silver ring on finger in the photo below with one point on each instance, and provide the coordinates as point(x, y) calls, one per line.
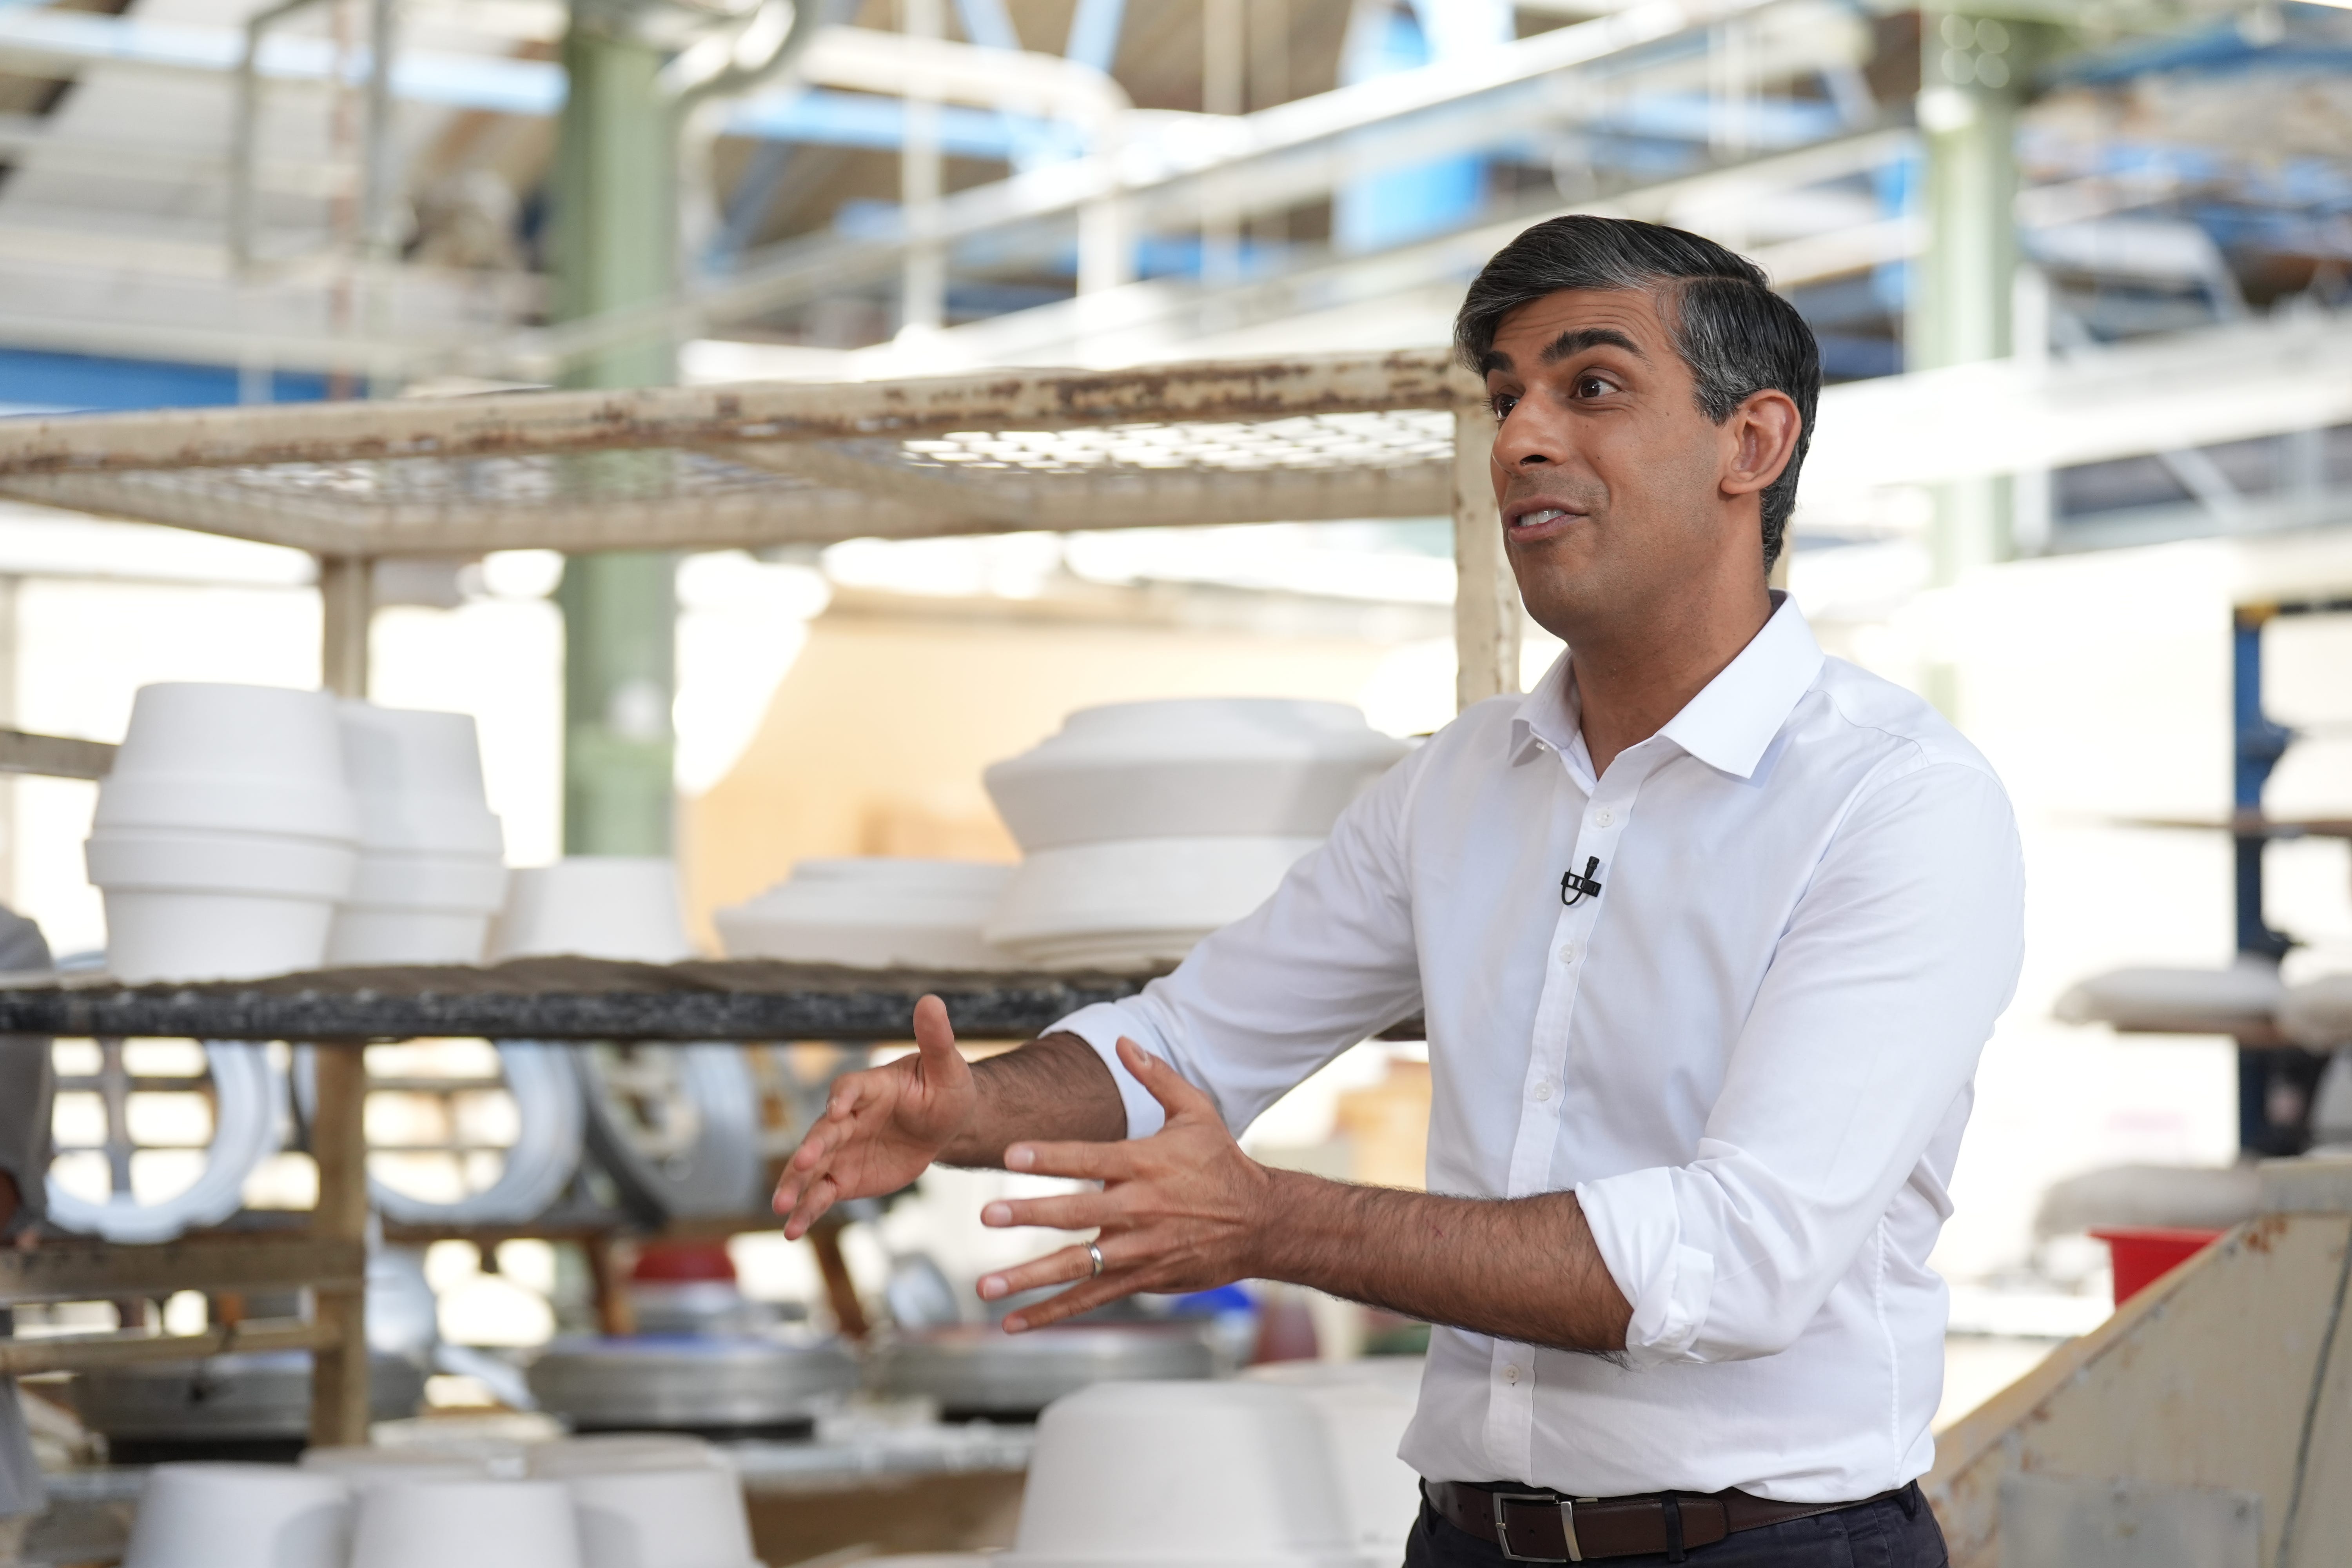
point(1093, 1255)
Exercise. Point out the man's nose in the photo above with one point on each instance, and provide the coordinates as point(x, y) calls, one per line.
point(1523, 441)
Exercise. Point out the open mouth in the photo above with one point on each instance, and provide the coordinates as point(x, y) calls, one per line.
point(1541, 521)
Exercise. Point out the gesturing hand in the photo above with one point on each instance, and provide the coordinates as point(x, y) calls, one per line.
point(1181, 1210)
point(881, 1128)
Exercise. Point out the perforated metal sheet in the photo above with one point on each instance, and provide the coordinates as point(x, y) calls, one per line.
point(772, 464)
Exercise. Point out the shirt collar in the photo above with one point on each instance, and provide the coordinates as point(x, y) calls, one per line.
point(1728, 725)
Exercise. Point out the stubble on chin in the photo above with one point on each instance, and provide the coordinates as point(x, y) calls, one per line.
point(1563, 584)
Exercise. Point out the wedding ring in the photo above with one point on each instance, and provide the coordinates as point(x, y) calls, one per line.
point(1095, 1253)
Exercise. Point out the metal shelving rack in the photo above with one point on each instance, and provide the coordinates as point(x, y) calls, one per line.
point(1327, 438)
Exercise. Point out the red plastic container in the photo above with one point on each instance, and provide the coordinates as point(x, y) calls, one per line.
point(2145, 1254)
point(679, 1262)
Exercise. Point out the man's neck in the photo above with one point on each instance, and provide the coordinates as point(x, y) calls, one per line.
point(1633, 676)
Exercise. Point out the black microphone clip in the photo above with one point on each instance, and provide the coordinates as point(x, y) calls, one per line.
point(1584, 887)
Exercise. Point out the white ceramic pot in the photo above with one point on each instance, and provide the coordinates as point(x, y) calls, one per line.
point(259, 758)
point(597, 906)
point(417, 908)
point(1124, 1472)
point(468, 884)
point(874, 913)
point(196, 905)
point(691, 1518)
point(1366, 1405)
point(239, 1516)
point(196, 860)
point(211, 804)
point(1135, 904)
point(467, 1524)
point(418, 777)
point(1191, 768)
point(364, 936)
point(153, 936)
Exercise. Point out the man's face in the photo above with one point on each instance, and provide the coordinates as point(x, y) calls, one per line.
point(1608, 475)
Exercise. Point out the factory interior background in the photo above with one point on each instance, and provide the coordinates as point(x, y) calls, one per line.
point(2026, 184)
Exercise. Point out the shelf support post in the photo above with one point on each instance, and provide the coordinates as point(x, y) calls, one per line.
point(1485, 596)
point(346, 604)
point(339, 1374)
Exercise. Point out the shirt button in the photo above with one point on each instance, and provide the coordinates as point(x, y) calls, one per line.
point(1568, 952)
point(1510, 1375)
point(1604, 818)
point(1543, 1091)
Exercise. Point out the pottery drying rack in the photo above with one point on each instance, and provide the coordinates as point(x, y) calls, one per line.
point(1324, 438)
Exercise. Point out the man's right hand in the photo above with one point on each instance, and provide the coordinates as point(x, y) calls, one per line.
point(882, 1128)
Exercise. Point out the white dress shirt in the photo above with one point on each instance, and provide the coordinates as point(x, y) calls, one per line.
point(1750, 1056)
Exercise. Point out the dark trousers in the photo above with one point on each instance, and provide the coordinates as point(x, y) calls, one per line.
point(1893, 1532)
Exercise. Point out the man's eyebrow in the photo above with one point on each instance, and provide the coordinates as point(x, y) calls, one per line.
point(1576, 340)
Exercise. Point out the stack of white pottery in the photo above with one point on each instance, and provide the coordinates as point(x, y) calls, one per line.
point(637, 1502)
point(432, 865)
point(466, 1524)
point(1183, 1475)
point(240, 1516)
point(594, 906)
point(679, 1517)
point(1145, 826)
point(874, 913)
point(226, 833)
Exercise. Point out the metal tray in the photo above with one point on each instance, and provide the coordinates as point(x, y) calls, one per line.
point(718, 1386)
point(243, 1404)
point(977, 1373)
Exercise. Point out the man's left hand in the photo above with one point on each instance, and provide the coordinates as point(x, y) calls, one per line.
point(1181, 1210)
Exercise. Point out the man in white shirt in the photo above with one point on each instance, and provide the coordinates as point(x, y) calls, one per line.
point(1708, 931)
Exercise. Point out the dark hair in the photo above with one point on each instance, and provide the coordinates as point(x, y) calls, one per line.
point(1738, 336)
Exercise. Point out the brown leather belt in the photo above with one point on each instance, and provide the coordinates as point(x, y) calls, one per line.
point(1537, 1526)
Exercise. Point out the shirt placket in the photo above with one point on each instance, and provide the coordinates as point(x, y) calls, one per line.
point(1608, 807)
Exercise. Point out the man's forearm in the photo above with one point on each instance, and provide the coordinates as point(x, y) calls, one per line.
point(1053, 1088)
point(1523, 1269)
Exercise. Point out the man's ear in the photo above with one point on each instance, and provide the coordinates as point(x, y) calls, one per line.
point(1759, 439)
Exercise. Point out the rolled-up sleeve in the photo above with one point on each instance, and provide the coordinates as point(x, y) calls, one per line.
point(1885, 982)
point(1327, 960)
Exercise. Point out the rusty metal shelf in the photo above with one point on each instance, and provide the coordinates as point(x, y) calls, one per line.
point(560, 999)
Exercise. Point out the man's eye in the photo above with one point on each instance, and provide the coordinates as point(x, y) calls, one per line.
point(1594, 386)
point(1503, 403)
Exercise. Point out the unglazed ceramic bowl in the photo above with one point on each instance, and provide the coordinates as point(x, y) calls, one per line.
point(876, 912)
point(239, 1516)
point(467, 1524)
point(1122, 1471)
point(1191, 768)
point(1136, 904)
point(597, 906)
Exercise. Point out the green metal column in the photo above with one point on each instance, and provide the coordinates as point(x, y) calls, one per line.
point(1971, 78)
point(615, 231)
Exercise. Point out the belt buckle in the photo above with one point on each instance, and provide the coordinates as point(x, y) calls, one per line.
point(1502, 1500)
